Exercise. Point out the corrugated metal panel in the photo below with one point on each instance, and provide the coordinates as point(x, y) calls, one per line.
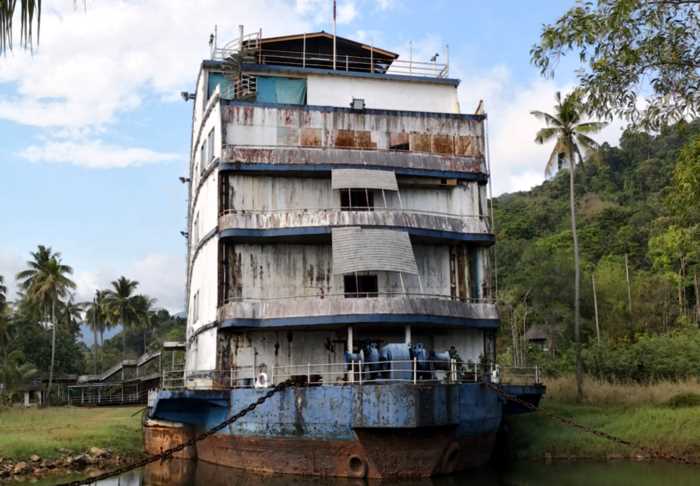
point(364, 179)
point(364, 250)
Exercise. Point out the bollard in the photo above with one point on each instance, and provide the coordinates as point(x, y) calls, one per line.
point(415, 371)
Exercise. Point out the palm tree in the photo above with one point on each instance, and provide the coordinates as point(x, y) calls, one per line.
point(3, 292)
point(122, 306)
point(570, 134)
point(96, 315)
point(29, 11)
point(45, 282)
point(146, 316)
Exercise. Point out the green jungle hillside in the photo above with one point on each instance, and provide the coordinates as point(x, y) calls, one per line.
point(640, 203)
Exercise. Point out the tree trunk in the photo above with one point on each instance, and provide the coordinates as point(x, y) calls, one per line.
point(595, 308)
point(123, 336)
point(53, 349)
point(697, 299)
point(577, 278)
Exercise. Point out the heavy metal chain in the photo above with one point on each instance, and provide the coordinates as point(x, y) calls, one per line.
point(651, 452)
point(168, 453)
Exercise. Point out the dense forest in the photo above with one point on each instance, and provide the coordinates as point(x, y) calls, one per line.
point(40, 332)
point(638, 209)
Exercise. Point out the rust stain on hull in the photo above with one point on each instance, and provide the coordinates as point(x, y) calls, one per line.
point(375, 454)
point(157, 438)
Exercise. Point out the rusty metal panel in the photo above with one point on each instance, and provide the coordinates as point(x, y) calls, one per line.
point(311, 137)
point(361, 250)
point(442, 144)
point(364, 179)
point(419, 142)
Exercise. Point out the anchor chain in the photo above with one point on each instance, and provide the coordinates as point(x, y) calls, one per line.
point(655, 453)
point(168, 453)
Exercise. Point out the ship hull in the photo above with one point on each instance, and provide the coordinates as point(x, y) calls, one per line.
point(373, 431)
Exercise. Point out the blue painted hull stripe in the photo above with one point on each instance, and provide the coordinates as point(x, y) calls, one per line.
point(344, 319)
point(327, 168)
point(241, 233)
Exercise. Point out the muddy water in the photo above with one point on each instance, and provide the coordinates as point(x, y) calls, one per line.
point(182, 473)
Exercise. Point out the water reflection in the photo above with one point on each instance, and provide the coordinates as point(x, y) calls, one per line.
point(187, 473)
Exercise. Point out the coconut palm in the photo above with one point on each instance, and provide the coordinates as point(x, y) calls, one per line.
point(46, 282)
point(569, 131)
point(30, 11)
point(3, 292)
point(96, 316)
point(122, 306)
point(146, 316)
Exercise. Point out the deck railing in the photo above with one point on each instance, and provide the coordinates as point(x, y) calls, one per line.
point(349, 295)
point(412, 371)
point(343, 62)
point(377, 209)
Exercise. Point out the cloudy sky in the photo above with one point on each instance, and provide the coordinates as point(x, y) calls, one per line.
point(93, 133)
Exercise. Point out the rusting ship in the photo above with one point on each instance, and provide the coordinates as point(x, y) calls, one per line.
point(338, 236)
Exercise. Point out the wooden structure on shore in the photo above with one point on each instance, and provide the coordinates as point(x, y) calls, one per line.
point(129, 381)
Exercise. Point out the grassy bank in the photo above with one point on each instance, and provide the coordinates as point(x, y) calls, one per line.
point(665, 416)
point(45, 431)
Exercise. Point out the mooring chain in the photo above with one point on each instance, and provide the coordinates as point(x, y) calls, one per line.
point(168, 453)
point(599, 433)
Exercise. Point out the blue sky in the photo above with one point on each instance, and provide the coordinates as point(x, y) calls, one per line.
point(93, 134)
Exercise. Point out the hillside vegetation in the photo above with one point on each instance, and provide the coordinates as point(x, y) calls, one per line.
point(639, 214)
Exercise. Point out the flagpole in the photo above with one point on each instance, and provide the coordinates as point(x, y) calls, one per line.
point(334, 50)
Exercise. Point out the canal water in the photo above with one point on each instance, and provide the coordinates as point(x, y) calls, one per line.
point(185, 473)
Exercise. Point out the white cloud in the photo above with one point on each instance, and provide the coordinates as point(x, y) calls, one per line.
point(517, 162)
point(10, 264)
point(93, 154)
point(160, 276)
point(93, 65)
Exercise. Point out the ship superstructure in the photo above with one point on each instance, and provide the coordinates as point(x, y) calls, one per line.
point(338, 236)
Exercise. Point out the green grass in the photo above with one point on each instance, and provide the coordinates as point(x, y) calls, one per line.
point(24, 432)
point(674, 430)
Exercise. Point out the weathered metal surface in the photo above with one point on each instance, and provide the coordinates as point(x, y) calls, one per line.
point(159, 435)
point(380, 307)
point(289, 125)
point(304, 218)
point(358, 249)
point(374, 431)
point(364, 179)
point(301, 156)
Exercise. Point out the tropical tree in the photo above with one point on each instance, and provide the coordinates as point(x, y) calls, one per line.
point(30, 11)
point(15, 370)
point(629, 49)
point(3, 292)
point(46, 281)
point(570, 134)
point(122, 306)
point(146, 316)
point(96, 316)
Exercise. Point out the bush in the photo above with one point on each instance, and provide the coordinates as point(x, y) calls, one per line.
point(650, 358)
point(684, 400)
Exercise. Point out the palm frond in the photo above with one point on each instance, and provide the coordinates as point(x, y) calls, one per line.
point(544, 135)
point(590, 127)
point(586, 143)
point(550, 120)
point(30, 10)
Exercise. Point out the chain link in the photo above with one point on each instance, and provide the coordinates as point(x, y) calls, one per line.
point(168, 453)
point(651, 452)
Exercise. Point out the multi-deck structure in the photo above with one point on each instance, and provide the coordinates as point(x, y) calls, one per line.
point(339, 236)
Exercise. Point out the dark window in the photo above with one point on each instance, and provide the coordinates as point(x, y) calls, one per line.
point(399, 146)
point(361, 286)
point(356, 200)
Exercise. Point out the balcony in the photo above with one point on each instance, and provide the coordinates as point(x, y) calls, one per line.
point(382, 308)
point(319, 221)
point(314, 137)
